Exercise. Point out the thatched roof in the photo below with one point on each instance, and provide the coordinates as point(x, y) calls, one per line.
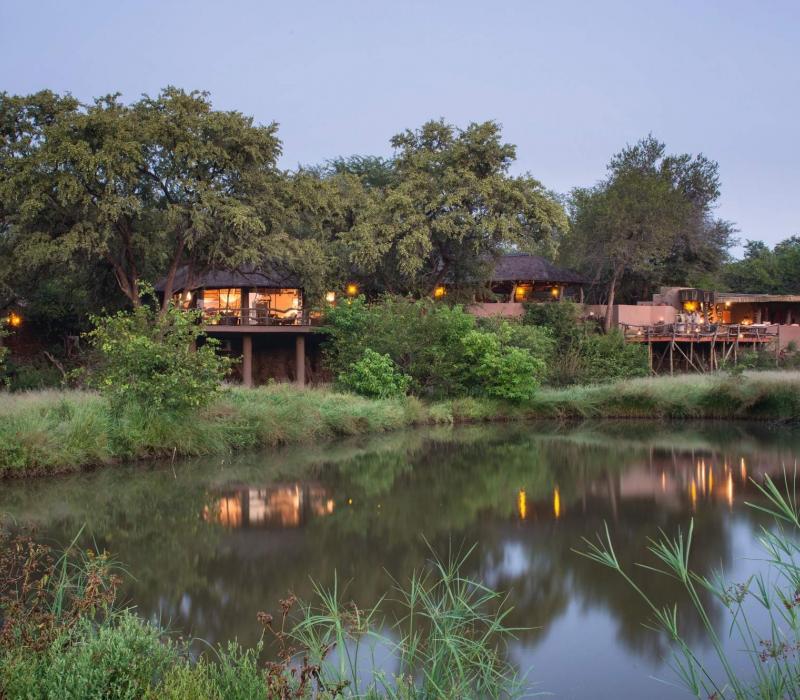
point(241, 277)
point(521, 267)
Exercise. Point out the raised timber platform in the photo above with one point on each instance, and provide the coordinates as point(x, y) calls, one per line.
point(699, 347)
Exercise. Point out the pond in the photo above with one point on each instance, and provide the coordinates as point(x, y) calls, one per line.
point(209, 542)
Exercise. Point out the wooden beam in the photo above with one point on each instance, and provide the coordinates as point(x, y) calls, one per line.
point(300, 359)
point(247, 360)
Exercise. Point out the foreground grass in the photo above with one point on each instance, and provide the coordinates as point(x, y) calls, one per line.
point(49, 432)
point(64, 637)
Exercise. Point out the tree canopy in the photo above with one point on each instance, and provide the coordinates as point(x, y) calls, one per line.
point(445, 207)
point(649, 222)
point(146, 187)
point(765, 271)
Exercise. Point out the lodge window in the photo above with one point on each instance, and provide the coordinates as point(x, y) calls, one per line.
point(280, 304)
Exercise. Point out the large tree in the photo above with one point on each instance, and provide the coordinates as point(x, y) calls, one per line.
point(444, 207)
point(147, 187)
point(650, 220)
point(765, 271)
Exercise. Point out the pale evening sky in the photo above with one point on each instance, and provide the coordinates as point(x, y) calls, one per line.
point(571, 82)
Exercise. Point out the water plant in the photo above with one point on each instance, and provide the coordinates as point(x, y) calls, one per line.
point(64, 635)
point(758, 655)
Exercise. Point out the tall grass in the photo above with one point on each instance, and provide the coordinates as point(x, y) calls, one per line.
point(56, 431)
point(63, 636)
point(763, 625)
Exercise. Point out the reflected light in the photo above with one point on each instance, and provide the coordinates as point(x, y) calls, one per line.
point(743, 470)
point(711, 480)
point(693, 493)
point(729, 490)
point(556, 503)
point(522, 504)
point(663, 481)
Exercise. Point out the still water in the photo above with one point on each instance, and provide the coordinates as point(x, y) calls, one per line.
point(210, 542)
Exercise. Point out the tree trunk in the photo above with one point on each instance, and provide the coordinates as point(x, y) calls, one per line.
point(173, 268)
point(612, 290)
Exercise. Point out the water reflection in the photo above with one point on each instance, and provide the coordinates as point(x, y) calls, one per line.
point(270, 507)
point(213, 541)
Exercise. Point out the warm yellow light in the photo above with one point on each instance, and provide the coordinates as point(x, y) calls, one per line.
point(729, 490)
point(554, 292)
point(690, 306)
point(522, 504)
point(743, 469)
point(663, 481)
point(330, 297)
point(727, 305)
point(693, 493)
point(439, 292)
point(352, 289)
point(14, 320)
point(188, 296)
point(556, 503)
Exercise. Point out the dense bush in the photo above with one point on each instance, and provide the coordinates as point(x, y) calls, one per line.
point(63, 637)
point(152, 359)
point(498, 370)
point(582, 355)
point(376, 376)
point(437, 346)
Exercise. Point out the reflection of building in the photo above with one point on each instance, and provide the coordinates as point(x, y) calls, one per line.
point(674, 482)
point(276, 506)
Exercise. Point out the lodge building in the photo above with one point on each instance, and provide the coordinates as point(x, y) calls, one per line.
point(263, 316)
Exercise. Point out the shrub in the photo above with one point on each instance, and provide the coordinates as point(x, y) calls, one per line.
point(500, 371)
point(423, 338)
point(581, 355)
point(152, 359)
point(607, 357)
point(376, 376)
point(438, 347)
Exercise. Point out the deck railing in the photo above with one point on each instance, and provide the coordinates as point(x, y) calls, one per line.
point(257, 317)
point(723, 332)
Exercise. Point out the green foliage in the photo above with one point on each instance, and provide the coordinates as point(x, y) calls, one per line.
point(500, 371)
point(150, 359)
point(649, 222)
point(144, 187)
point(582, 355)
point(447, 207)
point(119, 659)
point(765, 271)
point(439, 347)
point(561, 319)
point(375, 375)
point(422, 337)
point(608, 357)
point(64, 638)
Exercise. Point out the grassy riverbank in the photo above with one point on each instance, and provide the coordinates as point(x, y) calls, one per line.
point(57, 431)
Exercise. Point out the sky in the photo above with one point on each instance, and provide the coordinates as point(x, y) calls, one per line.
point(570, 82)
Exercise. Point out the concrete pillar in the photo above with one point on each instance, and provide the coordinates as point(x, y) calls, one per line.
point(247, 360)
point(300, 359)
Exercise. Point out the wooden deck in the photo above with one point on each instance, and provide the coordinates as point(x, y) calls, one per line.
point(699, 347)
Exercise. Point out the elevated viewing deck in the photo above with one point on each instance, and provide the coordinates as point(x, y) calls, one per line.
point(242, 320)
point(700, 333)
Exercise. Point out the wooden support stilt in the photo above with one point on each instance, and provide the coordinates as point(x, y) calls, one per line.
point(300, 359)
point(247, 360)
